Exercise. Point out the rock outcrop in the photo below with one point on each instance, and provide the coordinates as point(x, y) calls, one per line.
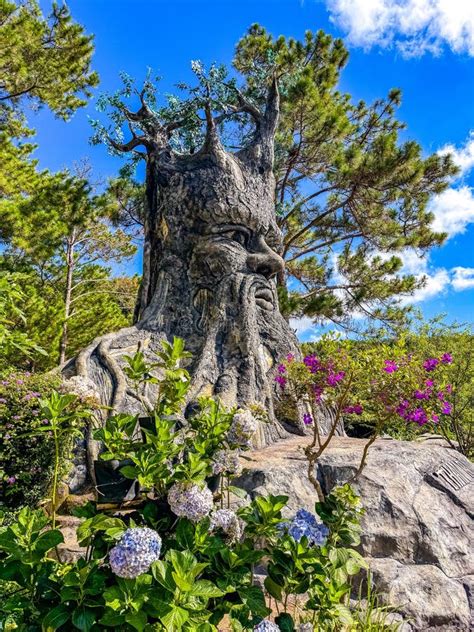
point(418, 529)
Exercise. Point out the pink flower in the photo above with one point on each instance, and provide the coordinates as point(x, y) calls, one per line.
point(280, 380)
point(354, 410)
point(334, 378)
point(11, 480)
point(446, 358)
point(290, 357)
point(390, 366)
point(430, 364)
point(281, 368)
point(446, 408)
point(435, 418)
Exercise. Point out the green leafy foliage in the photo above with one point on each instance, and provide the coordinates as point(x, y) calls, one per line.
point(204, 572)
point(26, 458)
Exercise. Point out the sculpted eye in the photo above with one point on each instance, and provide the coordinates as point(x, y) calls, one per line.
point(240, 236)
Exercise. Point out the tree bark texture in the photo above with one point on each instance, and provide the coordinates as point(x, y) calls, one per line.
point(211, 262)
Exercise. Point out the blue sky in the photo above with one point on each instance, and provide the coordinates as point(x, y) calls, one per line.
point(424, 47)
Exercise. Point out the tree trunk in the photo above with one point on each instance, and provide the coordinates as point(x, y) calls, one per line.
point(67, 298)
point(211, 264)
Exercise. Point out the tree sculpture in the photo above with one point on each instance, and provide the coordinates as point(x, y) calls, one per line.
point(346, 191)
point(210, 257)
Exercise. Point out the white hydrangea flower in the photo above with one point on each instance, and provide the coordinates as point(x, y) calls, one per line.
point(244, 426)
point(266, 626)
point(228, 521)
point(226, 462)
point(188, 500)
point(137, 549)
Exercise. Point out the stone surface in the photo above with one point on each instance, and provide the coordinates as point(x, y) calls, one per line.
point(418, 529)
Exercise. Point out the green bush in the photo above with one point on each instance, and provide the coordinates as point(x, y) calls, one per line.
point(26, 460)
point(185, 558)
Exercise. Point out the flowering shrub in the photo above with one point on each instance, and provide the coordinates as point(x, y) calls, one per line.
point(136, 551)
point(184, 558)
point(26, 460)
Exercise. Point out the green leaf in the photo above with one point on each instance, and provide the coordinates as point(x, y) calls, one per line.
point(285, 622)
point(112, 619)
point(137, 620)
point(55, 618)
point(83, 618)
point(205, 588)
point(238, 491)
point(175, 619)
point(273, 588)
point(48, 541)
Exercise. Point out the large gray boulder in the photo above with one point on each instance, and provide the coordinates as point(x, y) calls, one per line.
point(418, 529)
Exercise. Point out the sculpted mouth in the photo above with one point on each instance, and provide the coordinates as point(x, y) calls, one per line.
point(264, 298)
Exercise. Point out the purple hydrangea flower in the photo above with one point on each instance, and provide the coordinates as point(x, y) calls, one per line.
point(305, 524)
point(226, 462)
point(244, 426)
point(446, 358)
point(228, 521)
point(281, 368)
point(266, 626)
point(430, 364)
point(390, 366)
point(137, 549)
point(190, 501)
point(307, 419)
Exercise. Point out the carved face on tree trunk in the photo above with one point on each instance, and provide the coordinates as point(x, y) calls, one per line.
point(215, 280)
point(210, 262)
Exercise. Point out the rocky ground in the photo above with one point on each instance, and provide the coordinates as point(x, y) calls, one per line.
point(418, 530)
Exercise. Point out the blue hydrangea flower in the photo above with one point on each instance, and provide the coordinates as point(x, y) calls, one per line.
point(266, 626)
point(137, 549)
point(304, 523)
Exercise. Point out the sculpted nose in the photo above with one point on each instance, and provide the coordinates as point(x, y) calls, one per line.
point(264, 260)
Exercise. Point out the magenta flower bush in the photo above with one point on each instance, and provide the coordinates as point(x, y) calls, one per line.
point(401, 386)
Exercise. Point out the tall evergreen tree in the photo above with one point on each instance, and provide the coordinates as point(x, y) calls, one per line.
point(351, 196)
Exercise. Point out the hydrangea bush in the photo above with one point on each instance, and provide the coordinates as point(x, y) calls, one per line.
point(185, 557)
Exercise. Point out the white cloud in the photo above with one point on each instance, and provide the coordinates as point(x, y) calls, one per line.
point(453, 210)
point(413, 26)
point(463, 156)
point(463, 278)
point(302, 325)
